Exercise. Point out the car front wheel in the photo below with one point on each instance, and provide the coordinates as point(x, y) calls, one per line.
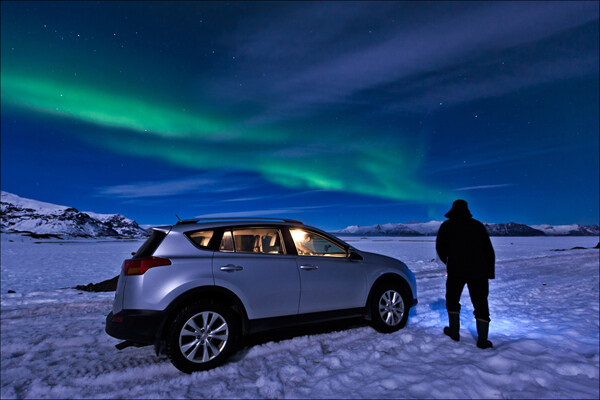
point(202, 336)
point(389, 308)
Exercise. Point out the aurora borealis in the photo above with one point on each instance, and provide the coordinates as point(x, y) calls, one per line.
point(197, 142)
point(337, 113)
point(104, 108)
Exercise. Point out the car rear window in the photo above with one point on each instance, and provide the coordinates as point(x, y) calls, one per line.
point(151, 244)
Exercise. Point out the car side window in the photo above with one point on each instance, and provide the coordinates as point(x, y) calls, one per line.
point(201, 238)
point(226, 242)
point(312, 244)
point(257, 240)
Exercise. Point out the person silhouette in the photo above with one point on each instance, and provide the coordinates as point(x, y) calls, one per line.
point(463, 244)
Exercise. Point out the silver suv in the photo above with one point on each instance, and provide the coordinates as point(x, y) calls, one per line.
point(194, 288)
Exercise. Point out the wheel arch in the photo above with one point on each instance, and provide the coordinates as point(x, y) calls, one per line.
point(216, 294)
point(383, 279)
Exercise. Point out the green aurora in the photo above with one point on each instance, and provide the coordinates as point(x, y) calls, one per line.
point(347, 161)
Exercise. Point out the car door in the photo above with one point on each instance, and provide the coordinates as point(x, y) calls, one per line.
point(253, 264)
point(329, 279)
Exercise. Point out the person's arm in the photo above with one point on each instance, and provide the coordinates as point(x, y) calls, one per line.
point(441, 243)
point(490, 255)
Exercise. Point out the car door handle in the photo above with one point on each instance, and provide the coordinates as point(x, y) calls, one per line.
point(309, 267)
point(231, 268)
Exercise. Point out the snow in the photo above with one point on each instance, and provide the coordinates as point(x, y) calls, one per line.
point(41, 265)
point(556, 229)
point(100, 217)
point(509, 229)
point(425, 228)
point(56, 227)
point(27, 215)
point(21, 202)
point(545, 329)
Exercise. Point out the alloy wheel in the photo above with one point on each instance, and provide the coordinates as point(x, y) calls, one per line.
point(391, 307)
point(203, 337)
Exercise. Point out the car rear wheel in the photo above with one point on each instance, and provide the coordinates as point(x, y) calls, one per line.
point(389, 308)
point(202, 336)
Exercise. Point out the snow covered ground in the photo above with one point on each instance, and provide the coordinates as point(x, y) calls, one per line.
point(544, 309)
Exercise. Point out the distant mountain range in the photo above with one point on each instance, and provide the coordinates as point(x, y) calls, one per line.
point(45, 220)
point(510, 229)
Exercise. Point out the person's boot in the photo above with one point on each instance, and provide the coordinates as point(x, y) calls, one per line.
point(452, 330)
point(482, 331)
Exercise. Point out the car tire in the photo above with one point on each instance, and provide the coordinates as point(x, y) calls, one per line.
point(202, 336)
point(389, 307)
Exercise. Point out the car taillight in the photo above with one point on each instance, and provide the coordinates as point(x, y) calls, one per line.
point(141, 265)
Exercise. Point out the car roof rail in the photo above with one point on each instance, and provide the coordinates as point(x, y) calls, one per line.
point(242, 219)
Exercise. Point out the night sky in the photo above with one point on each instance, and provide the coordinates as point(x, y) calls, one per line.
point(332, 113)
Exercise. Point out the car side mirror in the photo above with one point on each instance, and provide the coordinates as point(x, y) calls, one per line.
point(355, 256)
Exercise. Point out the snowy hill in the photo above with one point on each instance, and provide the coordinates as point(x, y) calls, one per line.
point(385, 229)
point(510, 229)
point(568, 230)
point(38, 218)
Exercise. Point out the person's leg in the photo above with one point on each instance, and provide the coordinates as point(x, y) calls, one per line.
point(454, 288)
point(479, 291)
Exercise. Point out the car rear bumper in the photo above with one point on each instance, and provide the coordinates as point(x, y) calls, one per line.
point(136, 326)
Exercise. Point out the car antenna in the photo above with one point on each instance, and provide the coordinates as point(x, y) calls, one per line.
point(178, 219)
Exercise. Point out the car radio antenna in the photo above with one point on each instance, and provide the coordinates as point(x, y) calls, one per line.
point(178, 219)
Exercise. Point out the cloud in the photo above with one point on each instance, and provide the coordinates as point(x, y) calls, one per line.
point(486, 186)
point(486, 80)
point(274, 196)
point(500, 156)
point(243, 199)
point(253, 213)
point(212, 182)
point(309, 72)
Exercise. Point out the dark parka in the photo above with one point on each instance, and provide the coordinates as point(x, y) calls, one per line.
point(464, 245)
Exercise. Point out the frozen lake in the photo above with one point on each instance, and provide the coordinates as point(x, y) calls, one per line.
point(544, 308)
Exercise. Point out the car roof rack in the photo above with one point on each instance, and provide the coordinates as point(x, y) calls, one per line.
point(196, 220)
